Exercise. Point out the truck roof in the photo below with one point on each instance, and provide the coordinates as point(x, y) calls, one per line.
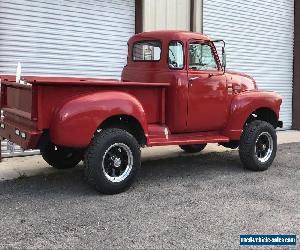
point(169, 35)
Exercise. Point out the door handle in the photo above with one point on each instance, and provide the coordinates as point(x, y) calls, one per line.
point(193, 78)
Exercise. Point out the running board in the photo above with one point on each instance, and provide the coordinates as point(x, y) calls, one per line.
point(185, 138)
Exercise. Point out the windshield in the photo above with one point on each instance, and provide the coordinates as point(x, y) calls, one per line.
point(201, 57)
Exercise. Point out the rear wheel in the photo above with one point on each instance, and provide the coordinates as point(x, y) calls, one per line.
point(61, 157)
point(112, 161)
point(258, 146)
point(194, 148)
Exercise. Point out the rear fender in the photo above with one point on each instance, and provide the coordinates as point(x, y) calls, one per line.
point(244, 104)
point(75, 122)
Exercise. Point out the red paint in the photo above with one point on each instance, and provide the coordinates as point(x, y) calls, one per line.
point(182, 106)
point(32, 136)
point(189, 138)
point(244, 104)
point(83, 114)
point(207, 92)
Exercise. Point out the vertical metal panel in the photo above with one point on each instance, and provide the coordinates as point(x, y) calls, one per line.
point(259, 36)
point(198, 16)
point(296, 83)
point(167, 14)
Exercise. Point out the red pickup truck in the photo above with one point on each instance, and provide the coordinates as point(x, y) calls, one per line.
point(174, 90)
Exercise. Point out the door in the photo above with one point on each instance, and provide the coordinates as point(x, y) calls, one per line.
point(208, 96)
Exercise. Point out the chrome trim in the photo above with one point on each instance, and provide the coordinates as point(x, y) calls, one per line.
point(116, 163)
point(264, 149)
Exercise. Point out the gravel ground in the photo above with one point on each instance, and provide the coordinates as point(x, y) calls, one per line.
point(189, 201)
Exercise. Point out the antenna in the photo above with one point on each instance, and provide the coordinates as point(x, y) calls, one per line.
point(18, 73)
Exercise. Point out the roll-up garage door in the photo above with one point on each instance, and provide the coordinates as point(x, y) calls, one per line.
point(65, 38)
point(68, 37)
point(259, 40)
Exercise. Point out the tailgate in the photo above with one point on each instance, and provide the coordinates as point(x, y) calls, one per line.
point(19, 124)
point(17, 99)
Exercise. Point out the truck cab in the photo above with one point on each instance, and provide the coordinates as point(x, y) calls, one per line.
point(174, 90)
point(198, 83)
point(190, 63)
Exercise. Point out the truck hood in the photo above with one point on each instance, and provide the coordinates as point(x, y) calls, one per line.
point(240, 81)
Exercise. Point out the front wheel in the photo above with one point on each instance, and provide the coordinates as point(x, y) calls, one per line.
point(258, 146)
point(112, 161)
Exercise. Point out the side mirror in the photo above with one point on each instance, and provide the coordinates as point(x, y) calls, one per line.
point(223, 58)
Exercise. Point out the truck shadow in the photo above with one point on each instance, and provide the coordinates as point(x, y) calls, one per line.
point(202, 166)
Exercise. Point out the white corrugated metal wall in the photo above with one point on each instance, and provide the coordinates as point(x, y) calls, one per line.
point(259, 41)
point(67, 37)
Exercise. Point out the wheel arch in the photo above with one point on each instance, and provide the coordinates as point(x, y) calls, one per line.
point(128, 123)
point(252, 105)
point(264, 114)
point(75, 122)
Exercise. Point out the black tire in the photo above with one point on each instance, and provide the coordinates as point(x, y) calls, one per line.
point(258, 145)
point(61, 157)
point(194, 148)
point(112, 161)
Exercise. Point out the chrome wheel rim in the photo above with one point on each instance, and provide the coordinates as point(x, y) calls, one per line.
point(264, 147)
point(117, 162)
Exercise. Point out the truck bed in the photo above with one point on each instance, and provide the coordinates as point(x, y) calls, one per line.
point(29, 107)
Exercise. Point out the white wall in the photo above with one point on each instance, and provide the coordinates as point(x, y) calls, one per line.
point(166, 15)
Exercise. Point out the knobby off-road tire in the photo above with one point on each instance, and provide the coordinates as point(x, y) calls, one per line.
point(61, 157)
point(112, 161)
point(195, 148)
point(258, 145)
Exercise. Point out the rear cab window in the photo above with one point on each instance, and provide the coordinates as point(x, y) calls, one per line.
point(146, 51)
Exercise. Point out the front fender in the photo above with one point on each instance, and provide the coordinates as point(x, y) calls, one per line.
point(244, 104)
point(75, 122)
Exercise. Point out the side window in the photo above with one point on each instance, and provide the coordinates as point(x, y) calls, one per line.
point(146, 51)
point(201, 57)
point(175, 55)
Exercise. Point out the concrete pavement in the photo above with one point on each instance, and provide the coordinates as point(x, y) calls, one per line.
point(18, 167)
point(188, 201)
